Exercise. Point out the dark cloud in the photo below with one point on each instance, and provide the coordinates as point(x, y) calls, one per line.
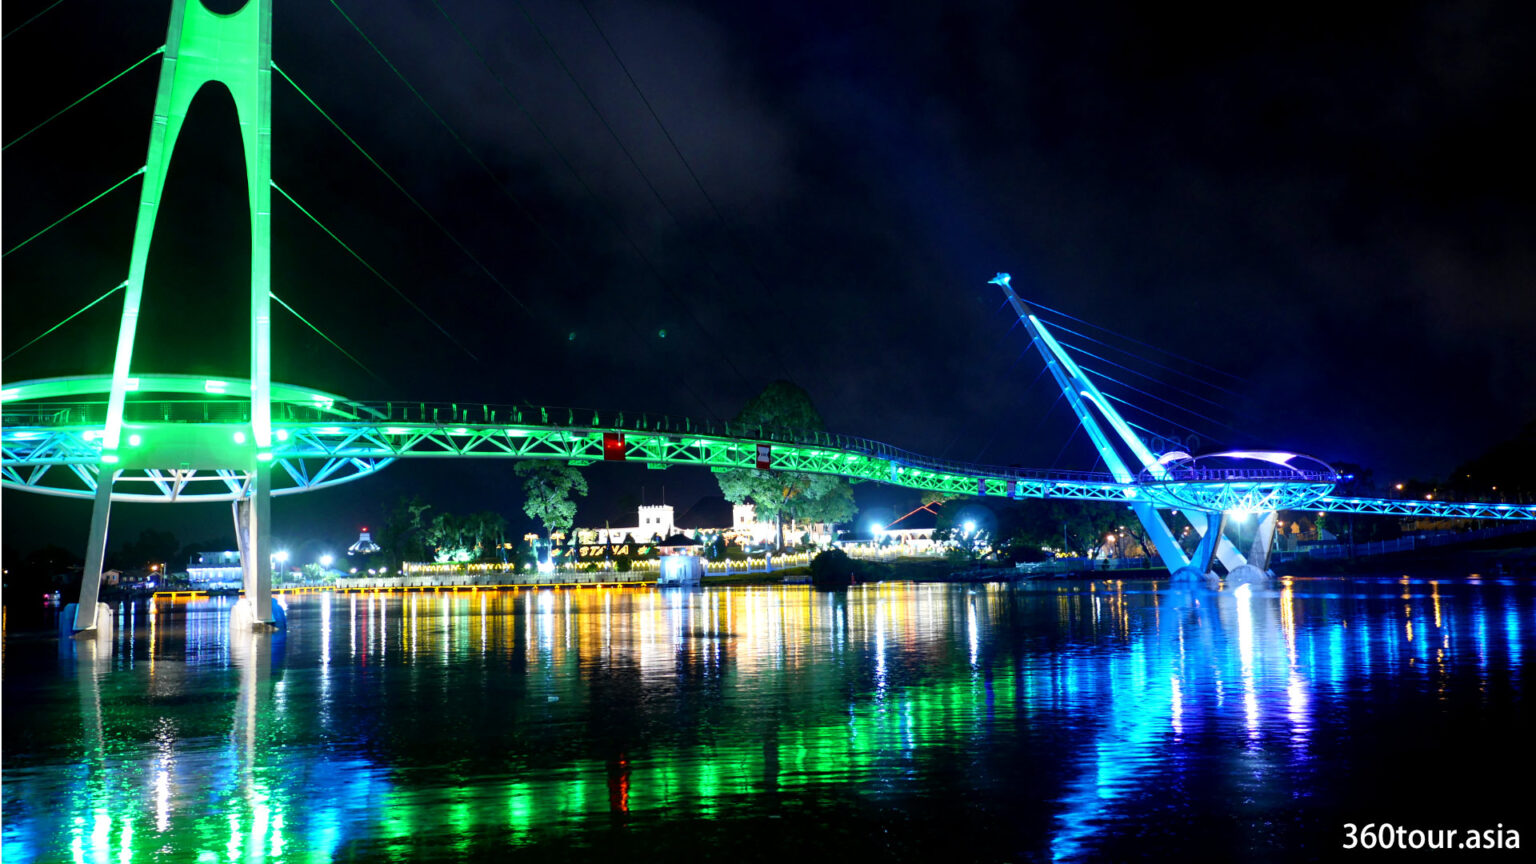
point(1334, 203)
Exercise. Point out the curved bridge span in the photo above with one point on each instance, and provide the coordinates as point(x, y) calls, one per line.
point(184, 432)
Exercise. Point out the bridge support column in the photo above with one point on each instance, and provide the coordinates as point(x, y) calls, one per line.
point(253, 532)
point(1167, 544)
point(1210, 527)
point(90, 608)
point(1256, 570)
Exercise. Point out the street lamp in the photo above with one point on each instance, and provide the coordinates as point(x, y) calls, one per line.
point(325, 561)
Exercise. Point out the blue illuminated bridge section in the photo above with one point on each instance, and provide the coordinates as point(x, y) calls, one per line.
point(180, 432)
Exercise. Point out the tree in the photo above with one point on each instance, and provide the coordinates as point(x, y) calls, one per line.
point(833, 569)
point(157, 547)
point(406, 534)
point(779, 494)
point(1083, 524)
point(934, 496)
point(547, 489)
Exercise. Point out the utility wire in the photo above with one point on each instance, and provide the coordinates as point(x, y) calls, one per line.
point(634, 163)
point(344, 351)
point(565, 254)
point(688, 166)
point(606, 210)
point(46, 10)
point(409, 197)
point(72, 317)
point(111, 189)
point(98, 89)
point(375, 272)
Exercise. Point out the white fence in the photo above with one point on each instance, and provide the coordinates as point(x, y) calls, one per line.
point(1402, 544)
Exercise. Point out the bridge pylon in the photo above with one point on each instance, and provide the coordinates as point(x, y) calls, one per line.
point(1150, 469)
point(235, 50)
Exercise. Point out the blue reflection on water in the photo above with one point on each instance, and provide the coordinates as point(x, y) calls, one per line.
point(384, 724)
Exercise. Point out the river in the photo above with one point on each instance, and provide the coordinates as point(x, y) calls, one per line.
point(1077, 720)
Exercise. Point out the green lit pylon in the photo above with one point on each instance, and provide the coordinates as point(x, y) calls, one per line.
point(235, 50)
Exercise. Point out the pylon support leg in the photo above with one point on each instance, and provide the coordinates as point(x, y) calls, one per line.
point(1263, 541)
point(1167, 545)
point(253, 532)
point(1210, 533)
point(95, 553)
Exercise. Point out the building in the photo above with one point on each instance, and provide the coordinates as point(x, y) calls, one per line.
point(912, 534)
point(364, 545)
point(215, 569)
point(656, 523)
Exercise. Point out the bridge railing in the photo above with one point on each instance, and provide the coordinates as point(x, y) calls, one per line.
point(1238, 475)
point(443, 414)
point(450, 414)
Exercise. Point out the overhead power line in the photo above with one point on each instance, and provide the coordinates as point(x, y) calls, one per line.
point(587, 188)
point(566, 257)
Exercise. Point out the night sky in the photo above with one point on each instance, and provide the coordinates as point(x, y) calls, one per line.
point(1331, 202)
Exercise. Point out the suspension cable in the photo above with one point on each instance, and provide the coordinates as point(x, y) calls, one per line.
point(687, 166)
point(1140, 374)
point(409, 197)
point(1096, 373)
point(1204, 382)
point(151, 55)
point(344, 351)
point(1137, 341)
point(111, 189)
point(119, 286)
point(45, 11)
point(375, 272)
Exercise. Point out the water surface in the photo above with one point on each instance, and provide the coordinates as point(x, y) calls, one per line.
point(896, 721)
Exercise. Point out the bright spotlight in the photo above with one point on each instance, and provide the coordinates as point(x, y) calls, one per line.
point(280, 556)
point(970, 526)
point(325, 560)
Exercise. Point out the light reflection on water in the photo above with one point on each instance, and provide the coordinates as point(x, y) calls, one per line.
point(1057, 720)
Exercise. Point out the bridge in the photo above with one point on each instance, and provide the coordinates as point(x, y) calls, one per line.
point(137, 437)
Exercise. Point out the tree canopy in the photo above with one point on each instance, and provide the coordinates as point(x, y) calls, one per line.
point(547, 490)
point(779, 494)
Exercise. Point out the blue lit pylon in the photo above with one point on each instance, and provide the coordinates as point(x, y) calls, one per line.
point(1080, 392)
point(235, 50)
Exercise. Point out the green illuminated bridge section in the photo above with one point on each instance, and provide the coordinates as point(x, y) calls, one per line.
point(181, 432)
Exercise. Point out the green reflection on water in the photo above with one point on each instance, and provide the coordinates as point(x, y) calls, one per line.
point(554, 714)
